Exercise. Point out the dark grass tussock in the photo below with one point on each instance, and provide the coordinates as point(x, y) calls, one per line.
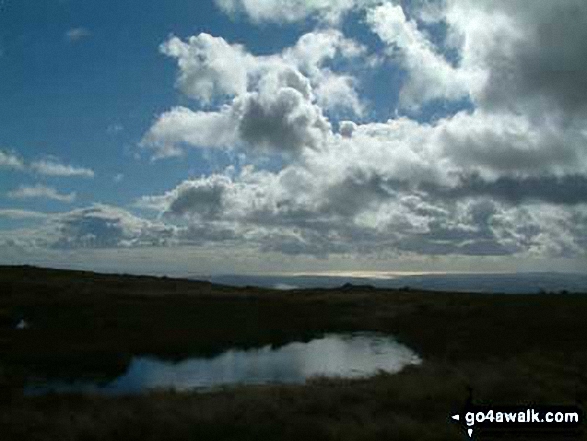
point(510, 349)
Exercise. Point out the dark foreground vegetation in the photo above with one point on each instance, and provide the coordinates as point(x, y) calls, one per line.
point(507, 349)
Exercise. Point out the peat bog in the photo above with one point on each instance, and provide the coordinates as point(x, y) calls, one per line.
point(506, 349)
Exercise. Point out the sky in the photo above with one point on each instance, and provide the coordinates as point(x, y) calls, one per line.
point(294, 136)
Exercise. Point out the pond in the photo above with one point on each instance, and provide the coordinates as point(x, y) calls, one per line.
point(333, 355)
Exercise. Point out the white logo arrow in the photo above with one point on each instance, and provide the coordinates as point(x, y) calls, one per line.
point(455, 417)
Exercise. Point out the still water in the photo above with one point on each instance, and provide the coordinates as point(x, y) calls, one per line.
point(333, 355)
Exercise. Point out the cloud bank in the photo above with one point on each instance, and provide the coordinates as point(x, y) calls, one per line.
point(503, 175)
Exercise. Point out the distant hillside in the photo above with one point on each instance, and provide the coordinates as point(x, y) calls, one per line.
point(515, 283)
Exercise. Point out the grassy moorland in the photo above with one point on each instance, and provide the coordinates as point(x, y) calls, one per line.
point(510, 349)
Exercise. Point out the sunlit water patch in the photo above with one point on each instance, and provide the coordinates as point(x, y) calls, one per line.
point(334, 355)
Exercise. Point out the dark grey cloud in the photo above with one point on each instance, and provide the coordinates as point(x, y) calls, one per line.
point(427, 245)
point(286, 121)
point(535, 52)
point(565, 190)
point(204, 198)
point(200, 234)
point(549, 61)
point(358, 191)
point(511, 143)
point(103, 226)
point(471, 233)
point(369, 213)
point(305, 242)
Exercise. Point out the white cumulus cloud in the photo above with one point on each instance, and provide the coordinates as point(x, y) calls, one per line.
point(52, 167)
point(41, 191)
point(10, 160)
point(288, 11)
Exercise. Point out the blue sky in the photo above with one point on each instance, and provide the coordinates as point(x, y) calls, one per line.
point(90, 100)
point(263, 136)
